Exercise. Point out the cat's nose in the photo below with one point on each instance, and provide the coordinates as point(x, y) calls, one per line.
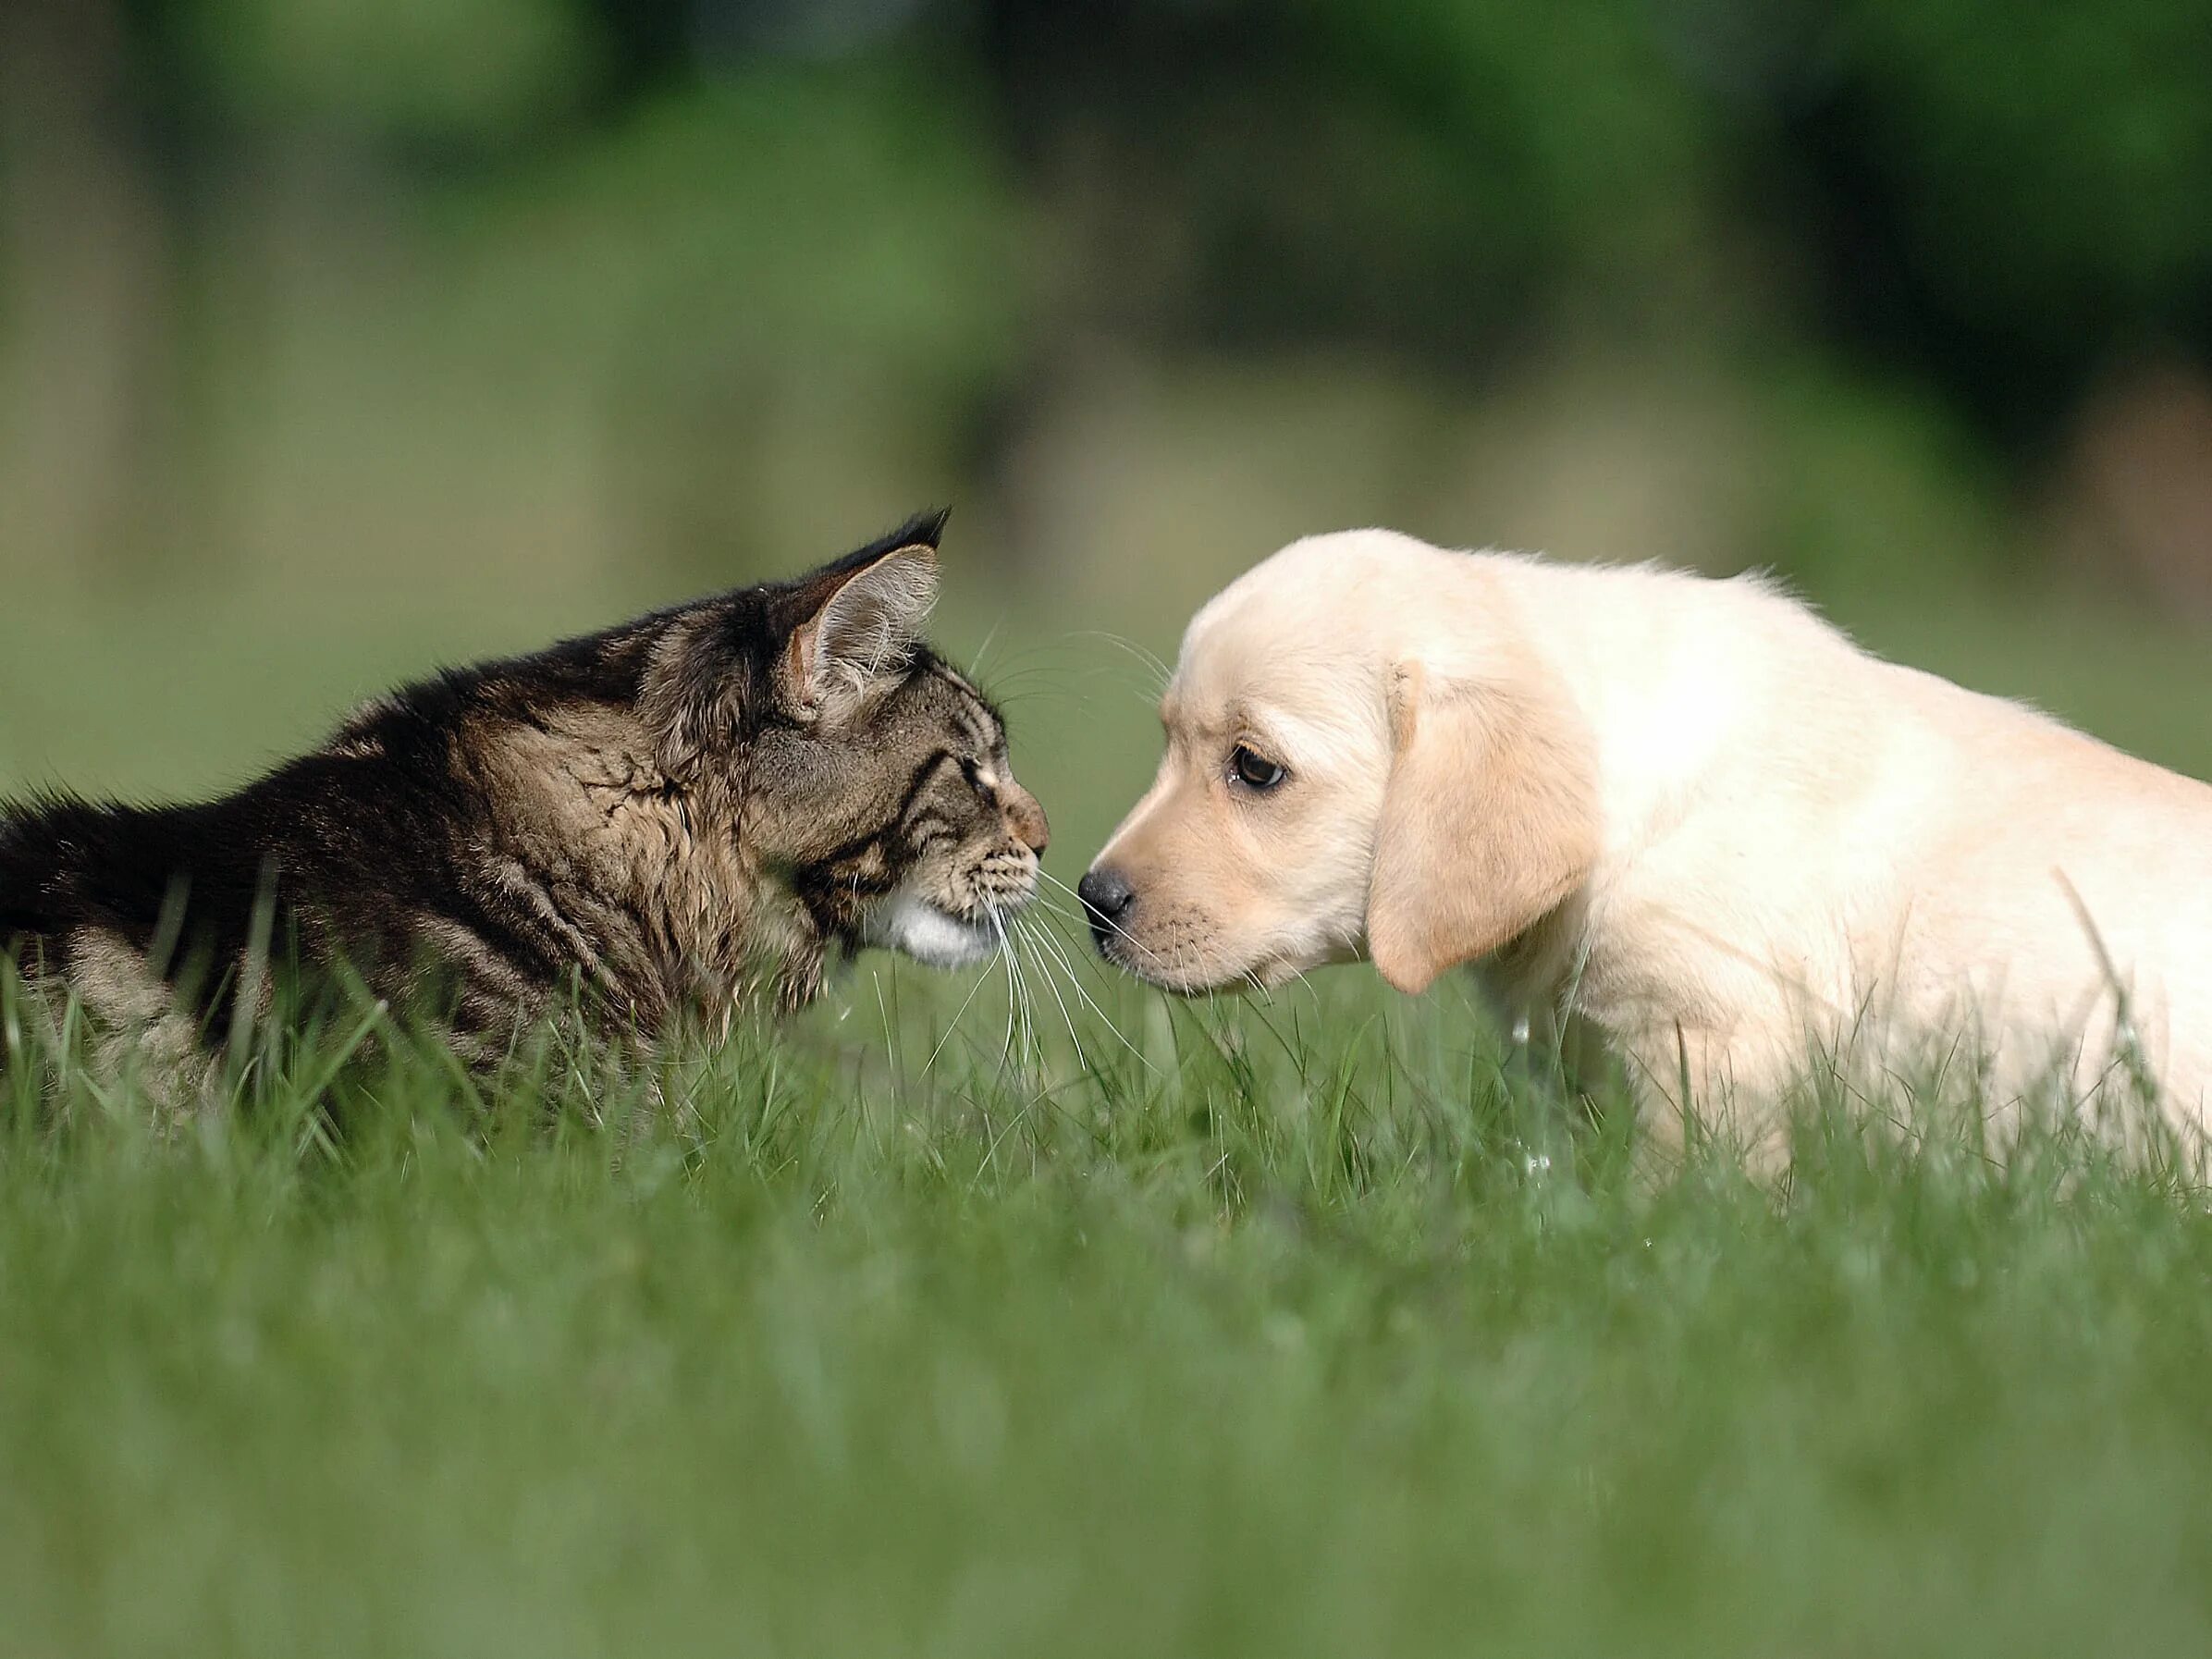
point(1027, 819)
point(1106, 896)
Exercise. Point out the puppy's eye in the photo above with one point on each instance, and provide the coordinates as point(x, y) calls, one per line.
point(1254, 771)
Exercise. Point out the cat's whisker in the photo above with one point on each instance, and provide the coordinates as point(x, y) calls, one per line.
point(891, 1051)
point(1078, 937)
point(1045, 942)
point(1036, 1039)
point(1043, 670)
point(1026, 1053)
point(1107, 982)
point(1211, 1000)
point(1009, 1056)
point(1070, 685)
point(1037, 647)
point(1144, 656)
point(954, 1024)
point(1049, 955)
point(1006, 1042)
point(1077, 929)
point(1043, 968)
point(1121, 932)
point(1024, 1002)
point(983, 651)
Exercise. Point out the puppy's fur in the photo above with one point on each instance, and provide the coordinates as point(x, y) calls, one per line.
point(1689, 810)
point(664, 818)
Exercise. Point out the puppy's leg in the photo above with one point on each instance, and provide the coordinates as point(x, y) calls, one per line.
point(1564, 1061)
point(1699, 1088)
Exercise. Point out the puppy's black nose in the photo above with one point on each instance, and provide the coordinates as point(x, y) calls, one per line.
point(1106, 896)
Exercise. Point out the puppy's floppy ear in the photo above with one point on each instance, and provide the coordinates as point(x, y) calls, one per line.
point(1488, 819)
point(864, 618)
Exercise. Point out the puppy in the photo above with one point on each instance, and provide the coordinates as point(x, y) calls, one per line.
point(1687, 810)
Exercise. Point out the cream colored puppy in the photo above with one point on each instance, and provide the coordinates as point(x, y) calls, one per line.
point(1689, 810)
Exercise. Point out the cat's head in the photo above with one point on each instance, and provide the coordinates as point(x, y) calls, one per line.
point(870, 780)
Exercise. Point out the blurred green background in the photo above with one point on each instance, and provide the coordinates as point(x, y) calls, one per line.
point(342, 337)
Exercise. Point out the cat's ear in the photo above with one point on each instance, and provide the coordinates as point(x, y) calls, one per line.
point(810, 647)
point(863, 622)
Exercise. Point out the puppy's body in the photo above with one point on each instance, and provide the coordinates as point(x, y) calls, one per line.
point(661, 818)
point(1805, 851)
point(1687, 809)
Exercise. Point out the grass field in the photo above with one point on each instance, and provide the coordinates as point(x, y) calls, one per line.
point(1298, 1329)
point(1142, 1328)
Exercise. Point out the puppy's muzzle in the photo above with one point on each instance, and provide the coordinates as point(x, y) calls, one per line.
point(1107, 900)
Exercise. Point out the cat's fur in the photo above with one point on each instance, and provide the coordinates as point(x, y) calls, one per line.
point(661, 819)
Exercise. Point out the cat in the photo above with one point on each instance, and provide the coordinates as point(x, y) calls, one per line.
point(669, 819)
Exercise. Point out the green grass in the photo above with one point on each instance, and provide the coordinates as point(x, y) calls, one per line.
point(1309, 1327)
point(1275, 1336)
point(1281, 1336)
point(1272, 1331)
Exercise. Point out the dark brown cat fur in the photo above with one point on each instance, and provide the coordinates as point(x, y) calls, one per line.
point(662, 820)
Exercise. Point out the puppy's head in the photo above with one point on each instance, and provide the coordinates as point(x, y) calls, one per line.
point(1364, 756)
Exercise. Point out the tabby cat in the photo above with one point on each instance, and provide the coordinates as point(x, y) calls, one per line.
point(662, 820)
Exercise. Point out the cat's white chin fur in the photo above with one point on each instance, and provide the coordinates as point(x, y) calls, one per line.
point(927, 934)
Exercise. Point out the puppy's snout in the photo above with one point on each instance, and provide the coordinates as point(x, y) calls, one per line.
point(1107, 898)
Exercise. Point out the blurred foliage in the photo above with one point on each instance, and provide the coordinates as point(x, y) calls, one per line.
point(732, 272)
point(2050, 163)
point(340, 337)
point(1879, 491)
point(1423, 173)
point(422, 70)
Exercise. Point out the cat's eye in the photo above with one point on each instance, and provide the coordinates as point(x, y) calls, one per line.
point(1254, 771)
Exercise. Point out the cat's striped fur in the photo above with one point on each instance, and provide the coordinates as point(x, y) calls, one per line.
point(661, 819)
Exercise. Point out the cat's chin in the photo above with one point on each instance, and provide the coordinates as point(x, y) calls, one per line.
point(929, 935)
